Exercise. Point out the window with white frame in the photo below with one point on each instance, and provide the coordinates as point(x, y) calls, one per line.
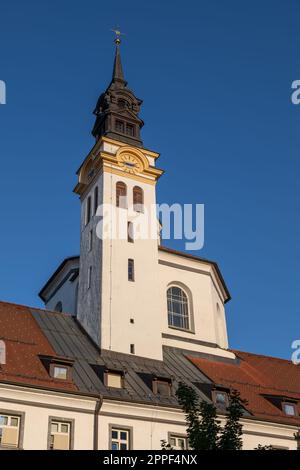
point(178, 442)
point(120, 439)
point(9, 430)
point(290, 409)
point(60, 372)
point(178, 308)
point(60, 435)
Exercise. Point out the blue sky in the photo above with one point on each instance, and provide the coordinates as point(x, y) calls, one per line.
point(215, 78)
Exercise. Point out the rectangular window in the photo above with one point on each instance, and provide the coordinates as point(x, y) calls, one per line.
point(60, 435)
point(90, 240)
point(130, 130)
point(178, 442)
point(89, 280)
point(60, 372)
point(120, 439)
point(132, 349)
point(114, 379)
point(289, 409)
point(130, 237)
point(130, 270)
point(9, 430)
point(88, 210)
point(120, 126)
point(162, 387)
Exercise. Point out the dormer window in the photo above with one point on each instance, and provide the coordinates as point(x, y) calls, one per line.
point(162, 387)
point(114, 379)
point(59, 368)
point(290, 409)
point(220, 399)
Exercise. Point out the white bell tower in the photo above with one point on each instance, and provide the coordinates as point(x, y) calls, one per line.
point(118, 301)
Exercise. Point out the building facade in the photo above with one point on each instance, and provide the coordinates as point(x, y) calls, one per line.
point(127, 320)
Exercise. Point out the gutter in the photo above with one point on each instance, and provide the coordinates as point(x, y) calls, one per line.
point(99, 403)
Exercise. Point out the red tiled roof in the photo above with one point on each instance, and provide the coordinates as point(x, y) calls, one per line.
point(256, 377)
point(24, 342)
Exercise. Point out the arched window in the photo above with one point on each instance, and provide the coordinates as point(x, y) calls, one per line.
point(58, 307)
point(138, 199)
point(121, 194)
point(178, 308)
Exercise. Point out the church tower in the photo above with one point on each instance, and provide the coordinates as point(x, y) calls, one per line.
point(118, 301)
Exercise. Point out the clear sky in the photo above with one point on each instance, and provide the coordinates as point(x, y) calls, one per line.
point(215, 78)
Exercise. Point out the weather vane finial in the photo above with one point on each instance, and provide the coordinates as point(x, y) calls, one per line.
point(118, 33)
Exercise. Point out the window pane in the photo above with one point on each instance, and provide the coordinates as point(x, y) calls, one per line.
point(54, 427)
point(163, 388)
point(60, 372)
point(289, 409)
point(114, 434)
point(65, 428)
point(123, 435)
point(123, 446)
point(115, 446)
point(221, 398)
point(178, 313)
point(114, 380)
point(3, 420)
point(14, 421)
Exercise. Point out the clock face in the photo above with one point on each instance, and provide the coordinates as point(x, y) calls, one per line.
point(130, 163)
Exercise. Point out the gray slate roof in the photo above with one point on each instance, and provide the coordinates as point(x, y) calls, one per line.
point(69, 340)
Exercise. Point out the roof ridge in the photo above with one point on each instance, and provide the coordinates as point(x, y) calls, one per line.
point(280, 359)
point(38, 309)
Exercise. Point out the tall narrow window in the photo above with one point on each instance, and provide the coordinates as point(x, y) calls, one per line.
point(130, 270)
point(120, 126)
point(89, 281)
point(130, 236)
point(121, 194)
point(95, 199)
point(130, 130)
point(138, 199)
point(178, 309)
point(90, 240)
point(88, 210)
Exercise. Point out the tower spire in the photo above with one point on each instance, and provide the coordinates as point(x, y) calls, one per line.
point(118, 74)
point(117, 109)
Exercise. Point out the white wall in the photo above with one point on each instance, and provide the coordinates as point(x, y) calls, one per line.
point(123, 299)
point(152, 424)
point(199, 280)
point(63, 290)
point(39, 406)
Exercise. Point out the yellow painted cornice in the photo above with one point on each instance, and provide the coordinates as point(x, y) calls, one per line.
point(112, 163)
point(148, 152)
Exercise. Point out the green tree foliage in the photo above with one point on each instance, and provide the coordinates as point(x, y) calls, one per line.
point(203, 428)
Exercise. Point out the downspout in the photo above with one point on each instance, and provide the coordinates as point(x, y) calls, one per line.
point(98, 406)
